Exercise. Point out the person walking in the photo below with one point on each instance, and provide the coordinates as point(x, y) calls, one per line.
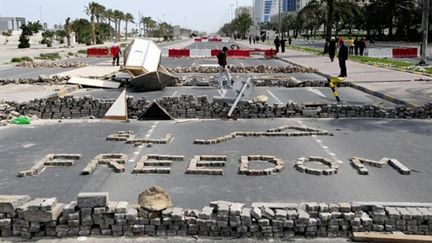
point(289, 40)
point(250, 40)
point(332, 49)
point(351, 45)
point(343, 56)
point(356, 46)
point(283, 43)
point(362, 46)
point(223, 70)
point(115, 54)
point(277, 44)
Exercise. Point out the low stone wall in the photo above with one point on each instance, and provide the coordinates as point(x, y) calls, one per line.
point(94, 214)
point(189, 106)
point(41, 80)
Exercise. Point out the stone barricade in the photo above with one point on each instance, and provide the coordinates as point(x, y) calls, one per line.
point(94, 214)
point(41, 80)
point(190, 106)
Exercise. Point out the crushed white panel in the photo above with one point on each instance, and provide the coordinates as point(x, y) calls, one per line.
point(209, 65)
point(94, 83)
point(200, 53)
point(144, 54)
point(118, 111)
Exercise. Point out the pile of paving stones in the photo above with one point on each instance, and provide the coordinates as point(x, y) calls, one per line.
point(190, 106)
point(7, 113)
point(41, 80)
point(44, 64)
point(93, 214)
point(244, 69)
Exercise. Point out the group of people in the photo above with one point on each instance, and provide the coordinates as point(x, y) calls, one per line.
point(356, 46)
point(352, 47)
point(280, 43)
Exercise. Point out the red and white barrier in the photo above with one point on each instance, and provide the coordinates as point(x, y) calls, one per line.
point(393, 52)
point(98, 52)
point(212, 39)
point(208, 53)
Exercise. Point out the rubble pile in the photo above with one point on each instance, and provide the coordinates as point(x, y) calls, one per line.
point(244, 69)
point(7, 113)
point(41, 80)
point(190, 106)
point(45, 64)
point(94, 214)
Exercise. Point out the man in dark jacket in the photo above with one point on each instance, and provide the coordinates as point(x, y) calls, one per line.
point(343, 56)
point(332, 49)
point(277, 43)
point(223, 70)
point(282, 44)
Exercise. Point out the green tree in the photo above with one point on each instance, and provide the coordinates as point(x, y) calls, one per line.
point(128, 18)
point(242, 24)
point(7, 34)
point(83, 31)
point(47, 37)
point(91, 9)
point(109, 15)
point(28, 30)
point(118, 17)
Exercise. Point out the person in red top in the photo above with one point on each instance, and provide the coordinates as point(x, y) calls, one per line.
point(115, 53)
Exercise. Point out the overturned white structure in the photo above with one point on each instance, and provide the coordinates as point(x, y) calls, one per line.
point(142, 61)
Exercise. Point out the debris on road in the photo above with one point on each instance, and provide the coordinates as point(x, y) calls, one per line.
point(244, 69)
point(34, 64)
point(154, 199)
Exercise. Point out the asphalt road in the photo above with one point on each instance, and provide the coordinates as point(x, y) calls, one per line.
point(23, 72)
point(213, 45)
point(187, 62)
point(277, 95)
point(407, 141)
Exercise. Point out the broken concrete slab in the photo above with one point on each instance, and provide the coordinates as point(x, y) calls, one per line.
point(89, 82)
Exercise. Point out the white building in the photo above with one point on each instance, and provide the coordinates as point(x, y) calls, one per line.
point(11, 23)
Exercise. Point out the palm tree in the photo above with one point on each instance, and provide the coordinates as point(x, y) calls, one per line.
point(109, 15)
point(68, 30)
point(128, 18)
point(99, 12)
point(118, 17)
point(145, 21)
point(91, 10)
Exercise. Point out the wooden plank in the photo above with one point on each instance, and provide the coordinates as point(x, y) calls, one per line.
point(391, 237)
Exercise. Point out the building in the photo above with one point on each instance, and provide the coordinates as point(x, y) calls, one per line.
point(262, 10)
point(245, 9)
point(11, 23)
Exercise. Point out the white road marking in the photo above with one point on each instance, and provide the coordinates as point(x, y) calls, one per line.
point(193, 64)
point(222, 92)
point(174, 94)
point(275, 97)
point(316, 91)
point(141, 147)
point(326, 149)
point(28, 145)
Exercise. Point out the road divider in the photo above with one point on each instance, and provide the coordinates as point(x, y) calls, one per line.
point(411, 52)
point(209, 53)
point(98, 52)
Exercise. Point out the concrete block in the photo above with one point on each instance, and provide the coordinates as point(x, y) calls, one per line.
point(92, 199)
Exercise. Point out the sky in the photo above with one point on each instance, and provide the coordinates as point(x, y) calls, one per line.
point(203, 15)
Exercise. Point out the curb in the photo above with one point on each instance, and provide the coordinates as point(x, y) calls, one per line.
point(361, 88)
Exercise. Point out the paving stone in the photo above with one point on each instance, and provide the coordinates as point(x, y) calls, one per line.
point(92, 199)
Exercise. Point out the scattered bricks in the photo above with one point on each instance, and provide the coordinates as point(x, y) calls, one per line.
point(139, 141)
point(402, 169)
point(325, 216)
point(155, 164)
point(303, 217)
point(92, 199)
point(43, 216)
point(206, 213)
point(121, 136)
point(301, 167)
point(115, 161)
point(122, 207)
point(312, 207)
point(8, 204)
point(323, 207)
point(244, 165)
point(236, 209)
point(204, 165)
point(277, 132)
point(281, 214)
point(256, 213)
point(344, 207)
point(292, 214)
point(267, 212)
